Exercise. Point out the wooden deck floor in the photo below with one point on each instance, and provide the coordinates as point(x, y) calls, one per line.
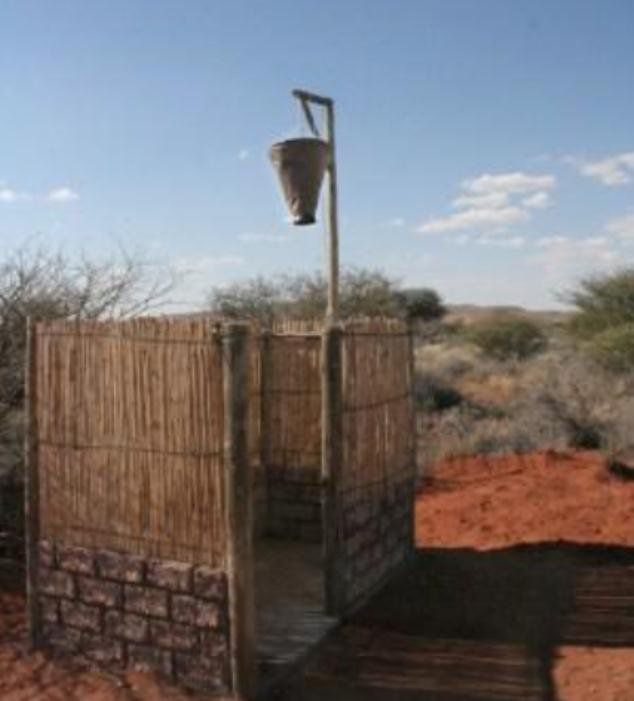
point(290, 609)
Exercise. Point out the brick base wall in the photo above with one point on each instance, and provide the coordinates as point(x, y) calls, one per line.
point(123, 611)
point(294, 504)
point(377, 535)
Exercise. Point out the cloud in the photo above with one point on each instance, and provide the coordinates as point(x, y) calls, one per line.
point(61, 195)
point(263, 238)
point(205, 264)
point(8, 195)
point(613, 171)
point(566, 256)
point(515, 242)
point(475, 219)
point(490, 203)
point(622, 227)
point(538, 200)
point(396, 223)
point(243, 154)
point(485, 201)
point(509, 183)
point(546, 241)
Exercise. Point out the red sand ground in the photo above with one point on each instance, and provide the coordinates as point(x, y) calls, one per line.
point(481, 503)
point(487, 503)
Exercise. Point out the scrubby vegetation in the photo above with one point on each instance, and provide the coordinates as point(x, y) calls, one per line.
point(516, 384)
point(362, 293)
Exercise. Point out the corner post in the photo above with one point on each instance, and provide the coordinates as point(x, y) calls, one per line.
point(31, 486)
point(239, 507)
point(331, 465)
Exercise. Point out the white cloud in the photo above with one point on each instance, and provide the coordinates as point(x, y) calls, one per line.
point(509, 183)
point(622, 227)
point(546, 241)
point(204, 264)
point(486, 201)
point(8, 195)
point(263, 238)
point(613, 171)
point(514, 242)
point(61, 195)
point(396, 223)
point(565, 257)
point(243, 154)
point(475, 219)
point(538, 200)
point(490, 203)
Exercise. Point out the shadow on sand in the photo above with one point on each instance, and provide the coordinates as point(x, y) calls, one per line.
point(467, 625)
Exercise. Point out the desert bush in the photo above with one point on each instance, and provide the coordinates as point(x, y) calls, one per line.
point(422, 304)
point(602, 302)
point(508, 339)
point(614, 347)
point(362, 293)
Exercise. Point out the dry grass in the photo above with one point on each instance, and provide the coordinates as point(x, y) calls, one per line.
point(472, 404)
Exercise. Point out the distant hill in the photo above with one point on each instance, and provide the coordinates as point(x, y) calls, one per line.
point(473, 313)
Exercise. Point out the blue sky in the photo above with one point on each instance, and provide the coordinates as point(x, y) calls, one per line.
point(485, 147)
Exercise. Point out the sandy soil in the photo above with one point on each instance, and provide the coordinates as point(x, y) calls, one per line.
point(528, 551)
point(491, 503)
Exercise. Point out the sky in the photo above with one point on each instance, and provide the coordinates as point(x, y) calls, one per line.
point(484, 147)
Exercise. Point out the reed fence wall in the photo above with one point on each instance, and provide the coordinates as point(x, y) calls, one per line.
point(130, 437)
point(378, 466)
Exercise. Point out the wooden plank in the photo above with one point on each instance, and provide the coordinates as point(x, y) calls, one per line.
point(239, 504)
point(332, 454)
point(31, 485)
point(411, 379)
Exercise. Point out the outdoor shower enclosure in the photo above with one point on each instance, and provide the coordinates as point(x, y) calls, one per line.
point(162, 452)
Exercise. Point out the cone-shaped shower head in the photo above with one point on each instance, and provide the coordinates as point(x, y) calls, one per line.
point(300, 164)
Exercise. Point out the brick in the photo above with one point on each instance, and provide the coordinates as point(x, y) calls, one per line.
point(46, 554)
point(210, 584)
point(126, 626)
point(188, 609)
point(56, 583)
point(98, 591)
point(120, 566)
point(49, 609)
point(145, 600)
point(146, 658)
point(74, 559)
point(61, 639)
point(173, 636)
point(102, 650)
point(175, 576)
point(201, 673)
point(81, 616)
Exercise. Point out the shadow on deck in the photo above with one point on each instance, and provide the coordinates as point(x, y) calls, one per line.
point(466, 625)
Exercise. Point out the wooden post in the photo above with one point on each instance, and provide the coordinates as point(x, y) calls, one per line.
point(265, 425)
point(239, 505)
point(31, 487)
point(414, 434)
point(332, 311)
point(331, 465)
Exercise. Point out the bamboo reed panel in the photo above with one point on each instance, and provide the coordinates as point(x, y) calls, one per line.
point(130, 437)
point(377, 440)
point(294, 401)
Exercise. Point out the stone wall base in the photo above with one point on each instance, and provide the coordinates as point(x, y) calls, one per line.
point(124, 611)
